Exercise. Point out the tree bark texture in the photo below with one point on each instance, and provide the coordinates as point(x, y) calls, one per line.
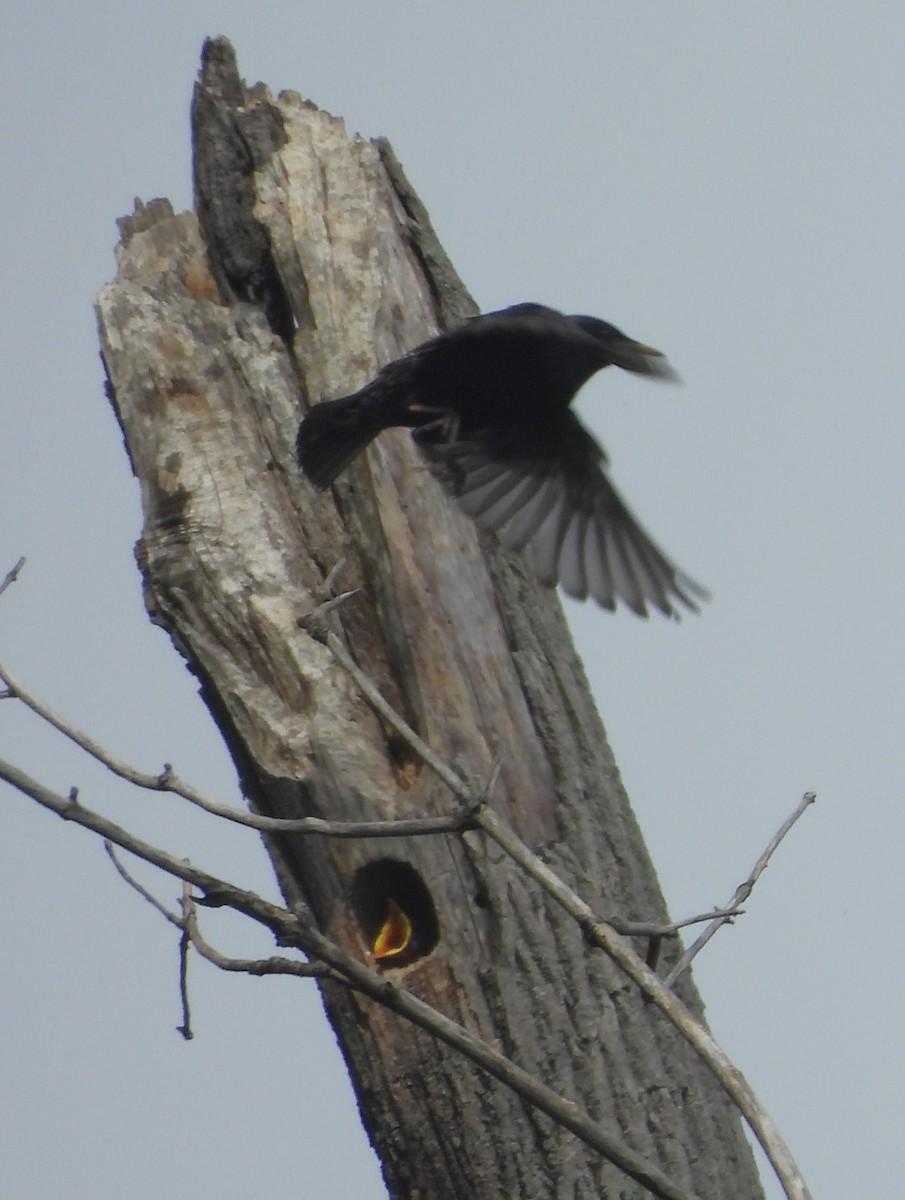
point(308, 264)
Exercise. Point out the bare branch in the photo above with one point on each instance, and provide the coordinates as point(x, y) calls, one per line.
point(89, 745)
point(603, 935)
point(130, 879)
point(313, 622)
point(168, 781)
point(651, 929)
point(334, 573)
point(606, 935)
point(293, 929)
point(188, 922)
point(742, 892)
point(184, 942)
point(372, 694)
point(12, 575)
point(275, 965)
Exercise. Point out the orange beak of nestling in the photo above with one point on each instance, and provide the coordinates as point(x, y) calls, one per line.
point(393, 940)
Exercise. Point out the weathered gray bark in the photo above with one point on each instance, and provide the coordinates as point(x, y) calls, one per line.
point(320, 266)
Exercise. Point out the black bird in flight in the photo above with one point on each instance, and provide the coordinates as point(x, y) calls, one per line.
point(489, 404)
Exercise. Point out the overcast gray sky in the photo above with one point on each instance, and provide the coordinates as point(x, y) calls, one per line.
point(722, 181)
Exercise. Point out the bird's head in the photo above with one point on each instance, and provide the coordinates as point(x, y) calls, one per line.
point(622, 351)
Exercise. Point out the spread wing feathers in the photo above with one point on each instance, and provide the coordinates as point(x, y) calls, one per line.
point(582, 534)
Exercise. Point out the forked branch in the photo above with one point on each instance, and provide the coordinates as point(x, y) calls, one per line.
point(295, 928)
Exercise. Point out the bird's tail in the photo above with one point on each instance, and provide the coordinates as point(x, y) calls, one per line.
point(333, 434)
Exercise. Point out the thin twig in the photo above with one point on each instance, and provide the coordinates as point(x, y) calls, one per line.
point(292, 929)
point(184, 943)
point(332, 575)
point(130, 879)
point(188, 922)
point(742, 892)
point(181, 924)
point(601, 934)
point(313, 621)
point(275, 965)
point(12, 575)
point(168, 781)
point(651, 929)
point(371, 693)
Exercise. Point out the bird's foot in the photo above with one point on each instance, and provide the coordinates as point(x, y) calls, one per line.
point(444, 429)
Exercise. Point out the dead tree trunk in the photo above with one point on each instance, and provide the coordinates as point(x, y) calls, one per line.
point(309, 264)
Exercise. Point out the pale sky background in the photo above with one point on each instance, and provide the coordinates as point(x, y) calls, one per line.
point(724, 181)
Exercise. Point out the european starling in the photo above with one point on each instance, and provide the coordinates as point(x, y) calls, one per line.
point(489, 404)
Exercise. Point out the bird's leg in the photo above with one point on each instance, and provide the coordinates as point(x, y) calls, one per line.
point(444, 429)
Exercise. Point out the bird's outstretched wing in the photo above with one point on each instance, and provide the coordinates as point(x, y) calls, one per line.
point(552, 492)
